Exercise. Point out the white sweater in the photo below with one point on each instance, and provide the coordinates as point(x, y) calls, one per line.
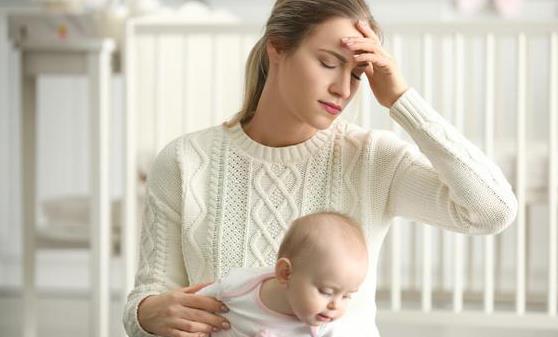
point(217, 199)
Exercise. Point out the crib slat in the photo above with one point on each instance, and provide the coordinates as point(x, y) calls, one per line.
point(489, 149)
point(129, 238)
point(458, 107)
point(365, 106)
point(458, 273)
point(427, 67)
point(159, 96)
point(214, 89)
point(459, 59)
point(427, 230)
point(189, 119)
point(396, 266)
point(396, 226)
point(520, 169)
point(187, 97)
point(145, 86)
point(398, 56)
point(553, 178)
point(446, 237)
point(427, 269)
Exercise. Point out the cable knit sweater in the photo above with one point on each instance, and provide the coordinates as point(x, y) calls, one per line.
point(217, 199)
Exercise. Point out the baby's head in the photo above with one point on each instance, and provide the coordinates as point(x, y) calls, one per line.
point(322, 261)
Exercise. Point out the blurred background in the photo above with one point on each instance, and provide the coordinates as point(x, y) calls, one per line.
point(91, 90)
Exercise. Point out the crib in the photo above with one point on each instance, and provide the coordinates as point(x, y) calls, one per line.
point(497, 82)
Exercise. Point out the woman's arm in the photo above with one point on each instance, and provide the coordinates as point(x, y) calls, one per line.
point(159, 304)
point(449, 182)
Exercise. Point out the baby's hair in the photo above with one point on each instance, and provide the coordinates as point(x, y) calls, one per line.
point(305, 232)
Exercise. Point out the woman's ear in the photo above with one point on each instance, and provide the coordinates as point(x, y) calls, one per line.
point(283, 270)
point(273, 52)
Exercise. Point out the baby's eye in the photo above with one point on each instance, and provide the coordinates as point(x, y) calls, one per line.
point(325, 291)
point(347, 297)
point(355, 76)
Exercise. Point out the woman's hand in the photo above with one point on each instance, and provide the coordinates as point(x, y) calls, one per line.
point(181, 313)
point(384, 76)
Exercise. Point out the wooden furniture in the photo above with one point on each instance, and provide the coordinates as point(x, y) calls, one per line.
point(90, 57)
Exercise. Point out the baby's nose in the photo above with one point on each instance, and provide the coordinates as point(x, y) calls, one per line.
point(333, 304)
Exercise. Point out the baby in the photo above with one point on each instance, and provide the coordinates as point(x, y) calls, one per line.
point(321, 262)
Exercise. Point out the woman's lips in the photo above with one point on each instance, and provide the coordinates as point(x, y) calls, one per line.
point(331, 108)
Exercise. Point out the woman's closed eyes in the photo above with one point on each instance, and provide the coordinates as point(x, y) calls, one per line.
point(356, 77)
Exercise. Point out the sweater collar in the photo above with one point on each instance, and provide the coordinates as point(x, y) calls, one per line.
point(286, 154)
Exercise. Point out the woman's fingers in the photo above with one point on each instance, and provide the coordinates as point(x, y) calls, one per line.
point(366, 50)
point(372, 58)
point(359, 44)
point(195, 320)
point(191, 326)
point(202, 302)
point(177, 313)
point(384, 77)
point(366, 30)
point(178, 333)
point(207, 318)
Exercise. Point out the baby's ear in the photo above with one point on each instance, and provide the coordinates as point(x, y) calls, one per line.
point(283, 270)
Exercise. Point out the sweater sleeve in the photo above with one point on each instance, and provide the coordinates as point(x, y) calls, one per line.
point(161, 266)
point(449, 182)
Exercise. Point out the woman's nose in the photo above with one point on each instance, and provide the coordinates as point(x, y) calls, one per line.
point(342, 86)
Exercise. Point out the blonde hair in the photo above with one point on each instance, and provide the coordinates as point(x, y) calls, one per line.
point(289, 23)
point(306, 232)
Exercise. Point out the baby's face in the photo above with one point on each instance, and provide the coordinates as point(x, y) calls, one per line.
point(320, 287)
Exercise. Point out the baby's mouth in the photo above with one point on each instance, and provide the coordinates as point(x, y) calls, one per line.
point(324, 318)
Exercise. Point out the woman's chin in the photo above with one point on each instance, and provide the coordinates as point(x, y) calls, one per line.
point(323, 123)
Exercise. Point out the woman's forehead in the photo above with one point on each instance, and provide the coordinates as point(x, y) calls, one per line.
point(331, 31)
point(326, 37)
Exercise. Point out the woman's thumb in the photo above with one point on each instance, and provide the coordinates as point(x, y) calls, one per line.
point(196, 287)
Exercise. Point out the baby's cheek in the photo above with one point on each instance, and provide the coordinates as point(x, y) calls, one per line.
point(310, 304)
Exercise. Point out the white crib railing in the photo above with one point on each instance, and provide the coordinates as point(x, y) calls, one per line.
point(186, 76)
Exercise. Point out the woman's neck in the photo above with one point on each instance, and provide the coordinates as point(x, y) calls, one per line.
point(274, 297)
point(273, 125)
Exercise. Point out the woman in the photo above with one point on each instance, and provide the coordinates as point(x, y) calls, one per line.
point(222, 197)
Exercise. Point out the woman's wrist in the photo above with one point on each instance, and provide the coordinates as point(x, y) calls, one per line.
point(397, 94)
point(142, 314)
